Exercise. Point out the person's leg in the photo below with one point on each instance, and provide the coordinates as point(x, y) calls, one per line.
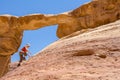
point(24, 55)
point(24, 58)
point(21, 58)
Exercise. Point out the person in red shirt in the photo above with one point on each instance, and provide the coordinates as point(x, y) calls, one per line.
point(23, 53)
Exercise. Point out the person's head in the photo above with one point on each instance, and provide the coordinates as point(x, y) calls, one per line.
point(27, 45)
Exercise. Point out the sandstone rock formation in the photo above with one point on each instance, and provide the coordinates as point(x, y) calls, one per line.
point(75, 58)
point(11, 31)
point(90, 15)
point(10, 39)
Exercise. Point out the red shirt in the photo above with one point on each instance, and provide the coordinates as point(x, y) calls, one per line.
point(24, 49)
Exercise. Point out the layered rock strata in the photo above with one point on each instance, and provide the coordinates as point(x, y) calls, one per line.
point(93, 55)
point(90, 15)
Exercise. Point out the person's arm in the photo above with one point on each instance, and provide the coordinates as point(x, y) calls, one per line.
point(29, 53)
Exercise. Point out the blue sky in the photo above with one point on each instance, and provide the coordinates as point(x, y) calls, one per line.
point(40, 38)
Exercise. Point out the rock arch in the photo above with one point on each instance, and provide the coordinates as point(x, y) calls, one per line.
point(11, 31)
point(90, 15)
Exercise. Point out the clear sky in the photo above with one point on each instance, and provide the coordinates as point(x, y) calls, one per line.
point(40, 38)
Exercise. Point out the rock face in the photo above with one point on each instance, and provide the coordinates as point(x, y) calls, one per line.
point(4, 64)
point(10, 39)
point(93, 55)
point(90, 15)
point(11, 32)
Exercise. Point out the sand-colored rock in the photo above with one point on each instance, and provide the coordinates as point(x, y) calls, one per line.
point(11, 30)
point(4, 64)
point(59, 61)
point(90, 15)
point(10, 40)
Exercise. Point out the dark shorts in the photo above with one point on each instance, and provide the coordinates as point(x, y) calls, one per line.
point(22, 56)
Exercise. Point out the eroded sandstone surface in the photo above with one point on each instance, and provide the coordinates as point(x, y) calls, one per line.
point(93, 55)
point(90, 15)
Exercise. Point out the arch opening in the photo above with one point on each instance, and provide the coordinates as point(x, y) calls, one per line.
point(38, 40)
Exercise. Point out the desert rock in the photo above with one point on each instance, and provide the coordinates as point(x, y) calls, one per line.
point(90, 15)
point(65, 58)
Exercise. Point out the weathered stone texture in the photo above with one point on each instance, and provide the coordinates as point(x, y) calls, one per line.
point(4, 64)
point(10, 39)
point(90, 15)
point(93, 55)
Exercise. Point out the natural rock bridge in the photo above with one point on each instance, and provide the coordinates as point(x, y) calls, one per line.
point(90, 15)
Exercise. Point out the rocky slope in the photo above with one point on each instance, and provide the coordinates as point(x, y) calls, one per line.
point(90, 15)
point(93, 55)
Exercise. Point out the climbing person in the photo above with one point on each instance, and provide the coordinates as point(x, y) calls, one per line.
point(23, 53)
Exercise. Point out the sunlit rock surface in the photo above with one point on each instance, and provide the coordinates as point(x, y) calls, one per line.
point(84, 18)
point(93, 55)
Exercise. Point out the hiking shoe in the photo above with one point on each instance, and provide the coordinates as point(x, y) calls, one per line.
point(18, 65)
